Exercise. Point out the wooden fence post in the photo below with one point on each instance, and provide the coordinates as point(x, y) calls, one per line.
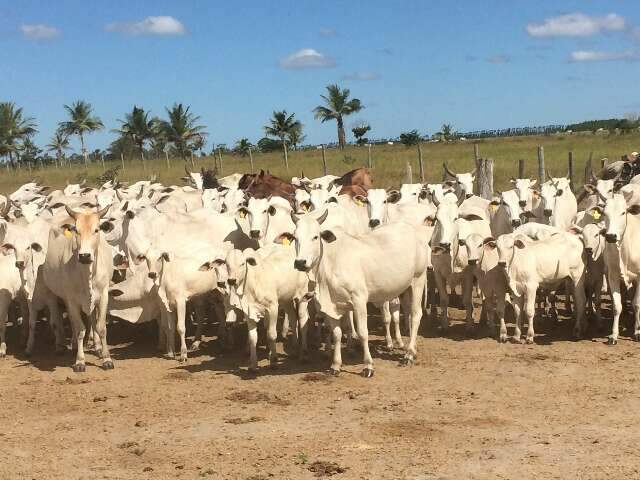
point(604, 162)
point(102, 158)
point(484, 178)
point(571, 170)
point(251, 159)
point(476, 152)
point(121, 159)
point(588, 171)
point(324, 160)
point(166, 155)
point(420, 162)
point(521, 168)
point(193, 165)
point(220, 159)
point(541, 171)
point(369, 160)
point(409, 174)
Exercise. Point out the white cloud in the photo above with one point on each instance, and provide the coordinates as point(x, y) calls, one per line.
point(576, 25)
point(162, 25)
point(39, 32)
point(499, 59)
point(595, 56)
point(364, 76)
point(307, 58)
point(328, 32)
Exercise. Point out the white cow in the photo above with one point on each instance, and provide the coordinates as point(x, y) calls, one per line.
point(268, 218)
point(350, 271)
point(558, 205)
point(462, 183)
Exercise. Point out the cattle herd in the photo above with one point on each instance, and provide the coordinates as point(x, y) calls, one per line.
point(247, 248)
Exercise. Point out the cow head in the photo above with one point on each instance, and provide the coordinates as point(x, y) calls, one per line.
point(476, 247)
point(614, 216)
point(86, 232)
point(28, 192)
point(602, 189)
point(155, 260)
point(232, 200)
point(236, 264)
point(308, 237)
point(510, 203)
point(445, 232)
point(592, 239)
point(461, 182)
point(259, 211)
point(377, 202)
point(302, 199)
point(507, 246)
point(523, 187)
point(409, 192)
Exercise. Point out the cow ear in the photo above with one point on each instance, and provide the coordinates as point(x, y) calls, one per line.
point(360, 200)
point(125, 206)
point(470, 217)
point(590, 189)
point(489, 243)
point(528, 214)
point(36, 247)
point(450, 183)
point(332, 200)
point(519, 244)
point(532, 183)
point(328, 236)
point(6, 248)
point(252, 261)
point(634, 209)
point(536, 193)
point(429, 221)
point(218, 262)
point(513, 180)
point(394, 196)
point(116, 292)
point(575, 229)
point(165, 256)
point(106, 227)
point(284, 239)
point(205, 267)
point(242, 212)
point(272, 210)
point(559, 192)
point(139, 259)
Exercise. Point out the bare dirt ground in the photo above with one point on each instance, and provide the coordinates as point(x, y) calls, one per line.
point(470, 409)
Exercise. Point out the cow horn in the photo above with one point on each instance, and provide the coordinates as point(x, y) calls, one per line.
point(73, 214)
point(547, 174)
point(187, 171)
point(83, 182)
point(103, 212)
point(448, 170)
point(139, 196)
point(5, 208)
point(323, 217)
point(294, 218)
point(473, 172)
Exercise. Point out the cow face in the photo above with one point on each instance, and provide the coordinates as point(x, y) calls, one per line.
point(87, 232)
point(445, 231)
point(318, 198)
point(409, 192)
point(463, 184)
point(302, 200)
point(212, 199)
point(614, 216)
point(308, 237)
point(233, 199)
point(28, 192)
point(510, 202)
point(237, 262)
point(155, 260)
point(548, 194)
point(592, 239)
point(377, 203)
point(603, 189)
point(507, 245)
point(259, 211)
point(474, 245)
point(523, 187)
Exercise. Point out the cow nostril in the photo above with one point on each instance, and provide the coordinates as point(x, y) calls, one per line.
point(374, 223)
point(300, 265)
point(547, 212)
point(515, 223)
point(254, 233)
point(19, 264)
point(473, 261)
point(462, 243)
point(221, 284)
point(502, 264)
point(522, 203)
point(231, 281)
point(153, 275)
point(84, 258)
point(588, 251)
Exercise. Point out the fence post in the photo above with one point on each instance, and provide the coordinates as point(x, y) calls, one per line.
point(571, 170)
point(122, 160)
point(409, 173)
point(324, 160)
point(476, 152)
point(420, 162)
point(166, 154)
point(484, 177)
point(251, 159)
point(102, 159)
point(369, 161)
point(604, 162)
point(588, 171)
point(220, 159)
point(541, 171)
point(193, 165)
point(521, 168)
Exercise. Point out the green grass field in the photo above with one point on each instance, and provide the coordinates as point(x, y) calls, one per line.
point(389, 161)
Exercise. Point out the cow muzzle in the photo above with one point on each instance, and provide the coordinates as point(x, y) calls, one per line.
point(547, 212)
point(473, 261)
point(20, 265)
point(152, 275)
point(468, 195)
point(516, 223)
point(502, 264)
point(373, 223)
point(85, 258)
point(221, 284)
point(445, 246)
point(522, 203)
point(588, 251)
point(254, 234)
point(300, 265)
point(611, 237)
point(231, 281)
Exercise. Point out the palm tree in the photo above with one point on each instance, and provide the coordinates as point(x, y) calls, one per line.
point(296, 137)
point(281, 126)
point(447, 131)
point(139, 127)
point(14, 129)
point(242, 147)
point(81, 122)
point(337, 106)
point(181, 129)
point(59, 143)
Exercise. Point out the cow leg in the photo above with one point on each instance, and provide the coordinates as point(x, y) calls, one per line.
point(616, 301)
point(467, 298)
point(500, 304)
point(441, 283)
point(79, 330)
point(181, 313)
point(286, 324)
point(580, 302)
point(252, 341)
point(394, 308)
point(169, 320)
point(5, 303)
point(199, 307)
point(567, 296)
point(33, 318)
point(352, 335)
point(519, 302)
point(411, 304)
point(303, 328)
point(162, 334)
point(636, 313)
point(272, 333)
point(360, 314)
point(336, 332)
point(386, 318)
point(100, 328)
point(530, 311)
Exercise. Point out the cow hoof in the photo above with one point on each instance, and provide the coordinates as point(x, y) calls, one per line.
point(636, 337)
point(79, 368)
point(529, 341)
point(3, 355)
point(169, 356)
point(503, 338)
point(389, 347)
point(183, 359)
point(107, 365)
point(406, 361)
point(195, 345)
point(515, 339)
point(367, 372)
point(334, 371)
point(612, 341)
point(252, 372)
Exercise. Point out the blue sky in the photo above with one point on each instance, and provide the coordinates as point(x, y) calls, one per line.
point(414, 64)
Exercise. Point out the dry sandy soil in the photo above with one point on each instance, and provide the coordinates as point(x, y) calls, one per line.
point(470, 409)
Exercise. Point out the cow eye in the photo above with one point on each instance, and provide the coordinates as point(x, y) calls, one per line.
point(315, 238)
point(384, 201)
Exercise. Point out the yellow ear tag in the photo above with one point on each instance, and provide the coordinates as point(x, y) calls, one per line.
point(359, 202)
point(596, 215)
point(68, 233)
point(286, 241)
point(493, 207)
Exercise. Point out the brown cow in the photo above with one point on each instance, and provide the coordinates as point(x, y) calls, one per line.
point(360, 177)
point(265, 185)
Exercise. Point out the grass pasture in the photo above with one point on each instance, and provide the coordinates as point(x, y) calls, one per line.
point(389, 161)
